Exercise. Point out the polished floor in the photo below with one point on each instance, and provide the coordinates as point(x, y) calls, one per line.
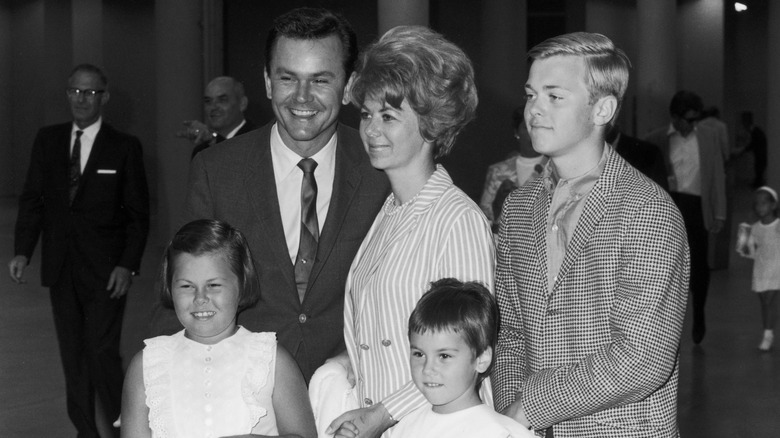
point(727, 387)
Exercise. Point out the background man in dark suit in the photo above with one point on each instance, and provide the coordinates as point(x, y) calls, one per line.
point(254, 182)
point(86, 194)
point(224, 103)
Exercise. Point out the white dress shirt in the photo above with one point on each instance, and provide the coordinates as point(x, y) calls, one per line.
point(289, 178)
point(87, 140)
point(684, 155)
point(232, 133)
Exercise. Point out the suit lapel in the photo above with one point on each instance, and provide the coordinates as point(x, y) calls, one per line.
point(346, 182)
point(541, 211)
point(260, 182)
point(102, 140)
point(61, 151)
point(101, 143)
point(595, 205)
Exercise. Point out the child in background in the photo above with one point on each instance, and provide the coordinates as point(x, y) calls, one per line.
point(213, 378)
point(763, 246)
point(452, 334)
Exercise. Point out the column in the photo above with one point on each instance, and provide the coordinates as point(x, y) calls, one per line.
point(213, 40)
point(179, 92)
point(655, 66)
point(501, 72)
point(392, 13)
point(773, 95)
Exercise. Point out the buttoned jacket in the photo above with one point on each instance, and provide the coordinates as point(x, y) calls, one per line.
point(234, 181)
point(108, 222)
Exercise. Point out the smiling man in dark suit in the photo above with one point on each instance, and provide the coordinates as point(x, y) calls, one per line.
point(304, 225)
point(86, 195)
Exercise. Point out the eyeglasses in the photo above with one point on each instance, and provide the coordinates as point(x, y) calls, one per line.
point(75, 93)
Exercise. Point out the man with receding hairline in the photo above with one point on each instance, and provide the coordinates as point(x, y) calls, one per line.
point(224, 103)
point(86, 197)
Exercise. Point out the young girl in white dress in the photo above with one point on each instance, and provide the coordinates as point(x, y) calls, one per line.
point(763, 246)
point(214, 378)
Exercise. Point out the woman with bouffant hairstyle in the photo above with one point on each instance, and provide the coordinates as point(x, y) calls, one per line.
point(415, 90)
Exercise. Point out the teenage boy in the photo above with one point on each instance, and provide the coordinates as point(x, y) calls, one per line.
point(593, 264)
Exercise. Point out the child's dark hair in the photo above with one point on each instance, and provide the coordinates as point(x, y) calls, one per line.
point(466, 308)
point(204, 236)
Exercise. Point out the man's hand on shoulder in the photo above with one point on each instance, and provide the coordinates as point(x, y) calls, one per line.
point(16, 268)
point(119, 282)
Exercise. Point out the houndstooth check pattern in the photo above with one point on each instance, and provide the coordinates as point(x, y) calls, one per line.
point(598, 355)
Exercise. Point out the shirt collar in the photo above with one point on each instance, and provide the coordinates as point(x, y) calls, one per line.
point(437, 184)
point(90, 131)
point(579, 184)
point(285, 161)
point(232, 133)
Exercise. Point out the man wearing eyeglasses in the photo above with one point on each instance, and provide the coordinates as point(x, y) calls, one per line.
point(86, 195)
point(697, 182)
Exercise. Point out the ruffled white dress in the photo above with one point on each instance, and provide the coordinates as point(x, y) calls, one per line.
point(196, 390)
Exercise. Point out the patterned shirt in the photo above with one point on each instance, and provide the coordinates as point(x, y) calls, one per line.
point(568, 200)
point(438, 233)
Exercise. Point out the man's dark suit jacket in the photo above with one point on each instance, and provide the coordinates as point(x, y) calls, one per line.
point(108, 222)
point(234, 181)
point(248, 126)
point(645, 156)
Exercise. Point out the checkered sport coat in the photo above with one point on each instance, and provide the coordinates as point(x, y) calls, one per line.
point(598, 355)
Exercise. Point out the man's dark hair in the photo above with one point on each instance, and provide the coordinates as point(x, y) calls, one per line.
point(309, 24)
point(684, 101)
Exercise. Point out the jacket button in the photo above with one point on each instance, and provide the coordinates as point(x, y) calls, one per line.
point(302, 318)
point(363, 347)
point(386, 342)
point(368, 402)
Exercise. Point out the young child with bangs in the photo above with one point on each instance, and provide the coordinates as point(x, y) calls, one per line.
point(452, 334)
point(214, 378)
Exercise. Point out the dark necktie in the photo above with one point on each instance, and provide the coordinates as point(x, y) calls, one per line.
point(74, 167)
point(219, 138)
point(310, 230)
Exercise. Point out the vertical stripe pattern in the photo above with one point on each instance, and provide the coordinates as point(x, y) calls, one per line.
point(440, 233)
